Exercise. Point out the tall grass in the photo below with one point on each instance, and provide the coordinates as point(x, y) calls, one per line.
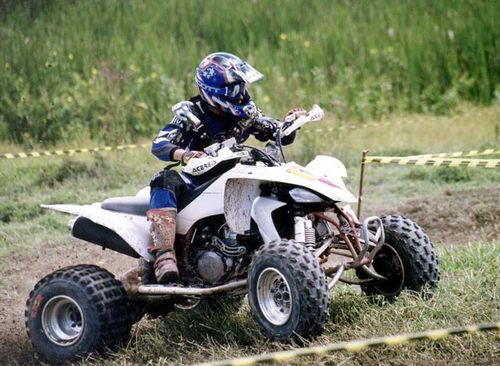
point(110, 70)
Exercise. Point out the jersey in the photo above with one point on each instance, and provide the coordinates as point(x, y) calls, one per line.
point(214, 128)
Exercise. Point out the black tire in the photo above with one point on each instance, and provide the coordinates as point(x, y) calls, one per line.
point(75, 311)
point(300, 302)
point(407, 258)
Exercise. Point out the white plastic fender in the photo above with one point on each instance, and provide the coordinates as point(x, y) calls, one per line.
point(208, 203)
point(262, 210)
point(239, 196)
point(132, 228)
point(327, 166)
point(144, 192)
point(330, 168)
point(292, 173)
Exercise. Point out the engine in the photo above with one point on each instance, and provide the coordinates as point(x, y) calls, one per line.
point(220, 256)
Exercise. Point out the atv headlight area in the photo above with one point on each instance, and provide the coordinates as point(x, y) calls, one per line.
point(301, 195)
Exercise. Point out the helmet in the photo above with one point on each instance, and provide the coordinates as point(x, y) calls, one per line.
point(222, 79)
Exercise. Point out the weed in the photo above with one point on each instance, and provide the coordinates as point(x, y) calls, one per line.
point(418, 174)
point(15, 211)
point(444, 174)
point(70, 168)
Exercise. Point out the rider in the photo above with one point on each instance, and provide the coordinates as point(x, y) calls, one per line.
point(223, 109)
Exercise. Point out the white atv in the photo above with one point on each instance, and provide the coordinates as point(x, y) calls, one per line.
point(278, 231)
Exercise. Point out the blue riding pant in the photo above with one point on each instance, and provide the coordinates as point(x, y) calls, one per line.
point(166, 188)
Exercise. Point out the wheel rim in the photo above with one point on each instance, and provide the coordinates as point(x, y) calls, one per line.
point(274, 296)
point(389, 264)
point(62, 320)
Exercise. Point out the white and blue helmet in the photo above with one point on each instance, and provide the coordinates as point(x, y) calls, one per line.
point(222, 79)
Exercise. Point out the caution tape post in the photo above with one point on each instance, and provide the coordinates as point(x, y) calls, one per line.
point(425, 161)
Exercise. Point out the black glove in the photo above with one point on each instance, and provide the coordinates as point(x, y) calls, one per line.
point(266, 127)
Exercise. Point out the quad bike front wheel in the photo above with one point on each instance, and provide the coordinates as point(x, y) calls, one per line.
point(407, 259)
point(287, 291)
point(75, 311)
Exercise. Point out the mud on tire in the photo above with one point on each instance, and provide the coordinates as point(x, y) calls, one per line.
point(77, 310)
point(287, 291)
point(407, 259)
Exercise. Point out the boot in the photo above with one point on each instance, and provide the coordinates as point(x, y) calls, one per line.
point(163, 235)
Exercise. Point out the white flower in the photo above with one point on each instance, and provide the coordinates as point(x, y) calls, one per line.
point(451, 35)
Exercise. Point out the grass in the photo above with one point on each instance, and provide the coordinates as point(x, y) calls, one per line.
point(111, 70)
point(468, 294)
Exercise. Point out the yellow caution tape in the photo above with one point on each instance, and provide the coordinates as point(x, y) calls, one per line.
point(356, 346)
point(35, 154)
point(448, 162)
point(460, 154)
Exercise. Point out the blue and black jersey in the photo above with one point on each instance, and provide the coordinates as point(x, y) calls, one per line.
point(214, 128)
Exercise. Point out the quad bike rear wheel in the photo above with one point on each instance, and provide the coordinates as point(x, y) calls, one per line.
point(75, 311)
point(407, 259)
point(287, 291)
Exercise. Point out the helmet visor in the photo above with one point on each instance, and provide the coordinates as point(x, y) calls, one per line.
point(247, 73)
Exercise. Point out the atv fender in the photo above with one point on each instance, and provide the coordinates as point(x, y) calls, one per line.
point(262, 210)
point(133, 229)
point(239, 196)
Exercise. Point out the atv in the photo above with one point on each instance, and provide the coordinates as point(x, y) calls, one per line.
point(279, 232)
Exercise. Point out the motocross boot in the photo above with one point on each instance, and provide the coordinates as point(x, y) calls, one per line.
point(162, 231)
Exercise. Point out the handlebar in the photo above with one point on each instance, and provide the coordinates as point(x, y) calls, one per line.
point(283, 129)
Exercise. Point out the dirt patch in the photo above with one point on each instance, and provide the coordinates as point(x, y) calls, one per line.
point(458, 217)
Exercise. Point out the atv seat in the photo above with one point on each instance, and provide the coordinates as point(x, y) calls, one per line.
point(138, 205)
point(134, 205)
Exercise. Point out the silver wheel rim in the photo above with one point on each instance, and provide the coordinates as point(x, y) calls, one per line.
point(274, 296)
point(62, 320)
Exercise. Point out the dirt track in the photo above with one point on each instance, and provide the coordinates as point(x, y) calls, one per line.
point(454, 218)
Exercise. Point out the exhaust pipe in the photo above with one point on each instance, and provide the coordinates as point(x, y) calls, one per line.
point(163, 290)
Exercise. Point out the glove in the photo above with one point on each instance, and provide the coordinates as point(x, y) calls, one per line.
point(266, 126)
point(293, 114)
point(188, 155)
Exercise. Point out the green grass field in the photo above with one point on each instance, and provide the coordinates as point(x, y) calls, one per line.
point(111, 70)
